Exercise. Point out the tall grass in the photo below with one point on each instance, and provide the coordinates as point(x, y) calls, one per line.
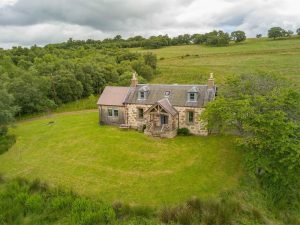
point(34, 202)
point(195, 211)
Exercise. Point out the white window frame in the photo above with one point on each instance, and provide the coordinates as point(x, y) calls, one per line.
point(195, 97)
point(188, 117)
point(140, 95)
point(114, 112)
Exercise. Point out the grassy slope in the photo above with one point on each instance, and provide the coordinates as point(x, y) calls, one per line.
point(77, 153)
point(89, 103)
point(111, 164)
point(255, 55)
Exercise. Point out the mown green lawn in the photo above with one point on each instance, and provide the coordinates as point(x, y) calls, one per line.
point(101, 161)
point(193, 63)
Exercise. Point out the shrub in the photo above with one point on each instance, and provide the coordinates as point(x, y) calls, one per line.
point(6, 142)
point(142, 211)
point(196, 211)
point(3, 130)
point(183, 131)
point(184, 215)
point(220, 212)
point(195, 204)
point(1, 178)
point(37, 186)
point(121, 210)
point(167, 214)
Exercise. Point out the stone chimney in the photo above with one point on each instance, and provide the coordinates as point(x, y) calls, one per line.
point(134, 80)
point(211, 81)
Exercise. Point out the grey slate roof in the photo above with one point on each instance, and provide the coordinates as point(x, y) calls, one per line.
point(113, 96)
point(177, 97)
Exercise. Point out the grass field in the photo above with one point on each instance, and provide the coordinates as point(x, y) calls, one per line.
point(102, 161)
point(193, 63)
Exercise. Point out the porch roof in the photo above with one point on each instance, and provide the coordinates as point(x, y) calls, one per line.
point(166, 105)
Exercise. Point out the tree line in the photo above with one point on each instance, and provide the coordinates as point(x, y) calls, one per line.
point(214, 38)
point(39, 79)
point(278, 32)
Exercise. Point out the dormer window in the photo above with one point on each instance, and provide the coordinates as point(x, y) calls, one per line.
point(192, 95)
point(143, 93)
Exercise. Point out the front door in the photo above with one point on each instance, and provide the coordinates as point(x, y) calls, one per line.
point(163, 119)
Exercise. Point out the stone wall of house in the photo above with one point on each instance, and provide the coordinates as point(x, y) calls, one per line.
point(132, 115)
point(197, 127)
point(104, 118)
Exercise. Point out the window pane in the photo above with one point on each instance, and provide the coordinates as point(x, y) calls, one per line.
point(109, 112)
point(142, 95)
point(192, 96)
point(116, 113)
point(141, 113)
point(191, 117)
point(163, 119)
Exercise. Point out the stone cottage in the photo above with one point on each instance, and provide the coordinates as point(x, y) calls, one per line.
point(156, 109)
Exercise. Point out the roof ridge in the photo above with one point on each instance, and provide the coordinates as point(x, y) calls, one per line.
point(117, 86)
point(174, 84)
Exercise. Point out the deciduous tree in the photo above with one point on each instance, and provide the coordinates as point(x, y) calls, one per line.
point(67, 88)
point(238, 36)
point(7, 109)
point(264, 111)
point(276, 32)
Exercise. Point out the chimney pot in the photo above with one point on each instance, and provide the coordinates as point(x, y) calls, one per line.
point(211, 81)
point(134, 80)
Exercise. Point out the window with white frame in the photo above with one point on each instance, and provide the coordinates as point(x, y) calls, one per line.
point(143, 92)
point(192, 97)
point(190, 117)
point(142, 95)
point(113, 112)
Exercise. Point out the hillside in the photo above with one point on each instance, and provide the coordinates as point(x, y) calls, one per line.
point(76, 153)
point(193, 63)
point(66, 148)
